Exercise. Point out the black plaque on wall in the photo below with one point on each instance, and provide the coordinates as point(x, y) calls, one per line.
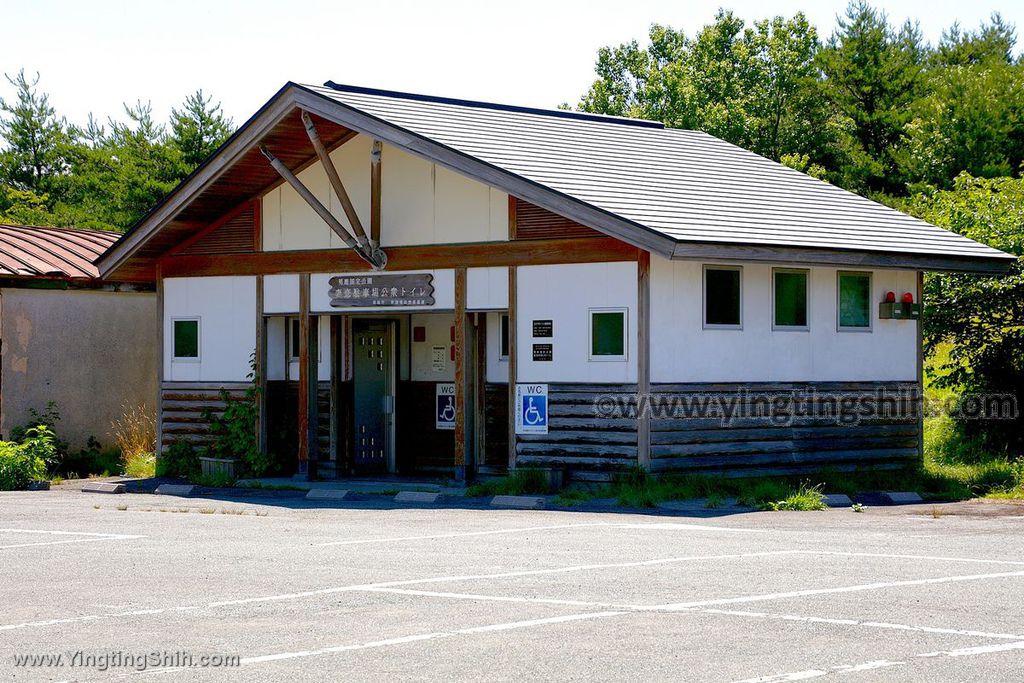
point(543, 328)
point(543, 352)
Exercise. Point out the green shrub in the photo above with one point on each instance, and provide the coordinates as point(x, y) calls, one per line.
point(140, 466)
point(46, 418)
point(179, 460)
point(19, 466)
point(217, 480)
point(521, 481)
point(235, 429)
point(805, 498)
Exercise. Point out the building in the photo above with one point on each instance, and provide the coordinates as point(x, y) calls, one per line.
point(407, 268)
point(69, 337)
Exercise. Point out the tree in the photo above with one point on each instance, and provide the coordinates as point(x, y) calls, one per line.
point(34, 157)
point(872, 74)
point(982, 317)
point(752, 86)
point(992, 42)
point(198, 128)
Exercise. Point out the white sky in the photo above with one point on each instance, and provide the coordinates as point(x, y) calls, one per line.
point(95, 55)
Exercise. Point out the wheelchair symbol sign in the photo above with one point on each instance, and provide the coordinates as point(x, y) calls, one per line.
point(531, 409)
point(444, 407)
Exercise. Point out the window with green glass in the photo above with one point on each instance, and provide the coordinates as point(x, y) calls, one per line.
point(721, 297)
point(790, 298)
point(608, 334)
point(854, 300)
point(186, 339)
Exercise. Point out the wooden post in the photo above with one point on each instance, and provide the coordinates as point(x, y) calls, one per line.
point(335, 385)
point(261, 368)
point(643, 359)
point(512, 288)
point(375, 155)
point(920, 366)
point(460, 374)
point(161, 349)
point(304, 379)
point(480, 392)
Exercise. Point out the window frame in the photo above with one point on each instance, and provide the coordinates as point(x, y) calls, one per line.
point(871, 318)
point(624, 310)
point(289, 342)
point(806, 272)
point(704, 298)
point(504, 336)
point(175, 358)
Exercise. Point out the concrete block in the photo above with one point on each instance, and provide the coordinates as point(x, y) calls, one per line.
point(103, 487)
point(41, 485)
point(518, 502)
point(901, 497)
point(838, 500)
point(327, 494)
point(417, 497)
point(175, 489)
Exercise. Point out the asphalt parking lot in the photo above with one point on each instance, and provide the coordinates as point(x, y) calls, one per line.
point(284, 590)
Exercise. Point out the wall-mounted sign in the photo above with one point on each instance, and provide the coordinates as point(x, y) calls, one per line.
point(438, 358)
point(543, 352)
point(531, 409)
point(543, 328)
point(444, 407)
point(382, 289)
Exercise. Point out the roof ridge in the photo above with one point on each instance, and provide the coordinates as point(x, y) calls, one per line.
point(479, 104)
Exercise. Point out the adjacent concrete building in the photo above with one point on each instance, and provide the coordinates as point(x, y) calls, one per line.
point(66, 336)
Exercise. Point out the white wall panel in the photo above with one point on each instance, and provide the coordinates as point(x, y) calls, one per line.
point(565, 294)
point(281, 293)
point(226, 309)
point(682, 351)
point(487, 289)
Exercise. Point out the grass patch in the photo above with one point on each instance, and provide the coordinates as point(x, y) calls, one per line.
point(805, 499)
point(573, 496)
point(520, 482)
point(253, 484)
point(219, 480)
point(140, 465)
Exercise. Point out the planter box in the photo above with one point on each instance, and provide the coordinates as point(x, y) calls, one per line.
point(219, 466)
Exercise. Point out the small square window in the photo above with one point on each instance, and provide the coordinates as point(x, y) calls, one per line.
point(608, 334)
point(503, 336)
point(186, 339)
point(790, 297)
point(722, 297)
point(854, 301)
point(295, 337)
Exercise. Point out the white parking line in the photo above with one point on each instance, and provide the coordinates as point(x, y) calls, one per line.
point(654, 526)
point(90, 537)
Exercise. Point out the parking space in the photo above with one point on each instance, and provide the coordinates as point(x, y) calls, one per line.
point(324, 593)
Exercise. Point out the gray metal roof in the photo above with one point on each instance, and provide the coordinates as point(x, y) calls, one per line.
point(685, 185)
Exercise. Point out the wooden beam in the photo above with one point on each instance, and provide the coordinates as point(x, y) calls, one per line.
point(460, 374)
point(375, 215)
point(160, 354)
point(335, 179)
point(479, 390)
point(836, 257)
point(261, 368)
point(920, 365)
point(512, 353)
point(470, 255)
point(335, 386)
point(314, 203)
point(304, 379)
point(643, 359)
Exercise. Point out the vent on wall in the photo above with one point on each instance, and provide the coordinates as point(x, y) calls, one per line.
point(535, 223)
point(234, 235)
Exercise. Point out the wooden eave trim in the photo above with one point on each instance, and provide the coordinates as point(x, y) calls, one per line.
point(689, 251)
point(344, 115)
point(232, 213)
point(238, 145)
point(470, 255)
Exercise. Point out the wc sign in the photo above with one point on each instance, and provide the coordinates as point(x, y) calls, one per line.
point(444, 407)
point(531, 409)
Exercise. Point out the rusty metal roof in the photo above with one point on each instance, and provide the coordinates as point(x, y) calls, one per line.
point(30, 251)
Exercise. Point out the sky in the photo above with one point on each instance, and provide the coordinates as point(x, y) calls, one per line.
point(94, 56)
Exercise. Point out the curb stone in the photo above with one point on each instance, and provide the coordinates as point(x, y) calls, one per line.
point(837, 500)
point(175, 489)
point(518, 502)
point(897, 497)
point(326, 494)
point(103, 487)
point(417, 497)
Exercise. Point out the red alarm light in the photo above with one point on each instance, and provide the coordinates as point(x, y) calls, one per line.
point(890, 297)
point(908, 298)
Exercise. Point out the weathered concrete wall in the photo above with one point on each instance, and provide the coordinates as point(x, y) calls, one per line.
point(90, 351)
